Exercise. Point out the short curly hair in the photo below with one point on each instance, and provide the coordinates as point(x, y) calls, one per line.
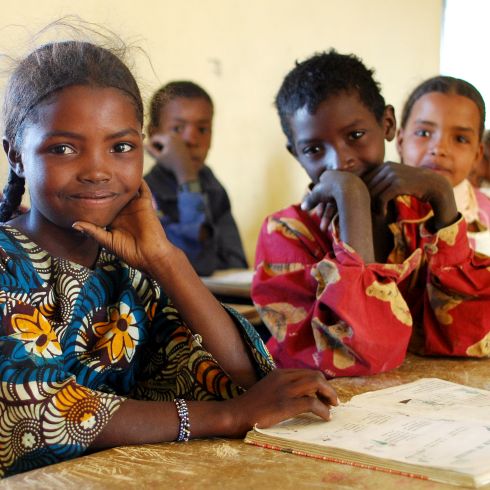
point(325, 74)
point(172, 90)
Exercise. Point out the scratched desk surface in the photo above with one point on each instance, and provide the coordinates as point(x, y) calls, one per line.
point(226, 463)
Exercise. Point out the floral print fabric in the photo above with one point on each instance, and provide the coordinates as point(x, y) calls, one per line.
point(74, 342)
point(328, 310)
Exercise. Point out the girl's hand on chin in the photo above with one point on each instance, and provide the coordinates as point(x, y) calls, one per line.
point(136, 235)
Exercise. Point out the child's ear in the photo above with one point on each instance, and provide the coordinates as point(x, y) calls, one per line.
point(400, 134)
point(389, 122)
point(479, 154)
point(14, 158)
point(291, 149)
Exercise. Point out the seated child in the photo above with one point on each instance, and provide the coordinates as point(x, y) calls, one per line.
point(108, 337)
point(480, 174)
point(376, 256)
point(441, 129)
point(194, 207)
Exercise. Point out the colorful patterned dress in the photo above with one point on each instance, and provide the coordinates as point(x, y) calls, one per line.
point(328, 310)
point(74, 342)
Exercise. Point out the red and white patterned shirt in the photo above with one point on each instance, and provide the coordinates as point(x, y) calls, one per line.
point(328, 310)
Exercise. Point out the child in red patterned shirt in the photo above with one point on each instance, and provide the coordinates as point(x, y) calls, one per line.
point(376, 255)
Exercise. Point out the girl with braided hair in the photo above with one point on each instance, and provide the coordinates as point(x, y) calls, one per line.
point(107, 335)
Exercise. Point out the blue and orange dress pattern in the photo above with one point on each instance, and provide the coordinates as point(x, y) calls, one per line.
point(75, 342)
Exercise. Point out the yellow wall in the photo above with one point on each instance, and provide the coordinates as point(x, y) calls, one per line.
point(239, 50)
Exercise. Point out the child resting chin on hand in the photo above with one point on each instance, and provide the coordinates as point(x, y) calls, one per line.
point(107, 335)
point(377, 255)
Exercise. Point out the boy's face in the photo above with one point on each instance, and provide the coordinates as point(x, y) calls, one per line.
point(343, 134)
point(191, 119)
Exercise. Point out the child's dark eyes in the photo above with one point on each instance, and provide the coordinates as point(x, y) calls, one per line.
point(424, 133)
point(355, 135)
point(312, 150)
point(179, 129)
point(462, 139)
point(61, 150)
point(122, 148)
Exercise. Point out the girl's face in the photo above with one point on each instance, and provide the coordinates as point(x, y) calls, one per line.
point(82, 156)
point(442, 133)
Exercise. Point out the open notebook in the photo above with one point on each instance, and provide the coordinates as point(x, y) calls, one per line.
point(431, 429)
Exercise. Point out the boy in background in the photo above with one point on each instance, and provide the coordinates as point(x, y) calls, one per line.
point(194, 207)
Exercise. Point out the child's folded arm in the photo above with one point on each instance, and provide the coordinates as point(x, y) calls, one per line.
point(325, 308)
point(456, 321)
point(47, 415)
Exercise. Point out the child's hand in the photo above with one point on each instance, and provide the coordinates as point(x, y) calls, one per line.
point(135, 235)
point(282, 394)
point(332, 189)
point(393, 179)
point(172, 153)
point(326, 211)
point(350, 196)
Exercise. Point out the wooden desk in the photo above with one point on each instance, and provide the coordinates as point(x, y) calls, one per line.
point(230, 282)
point(232, 286)
point(223, 463)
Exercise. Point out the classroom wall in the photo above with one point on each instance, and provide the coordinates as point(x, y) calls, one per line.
point(239, 50)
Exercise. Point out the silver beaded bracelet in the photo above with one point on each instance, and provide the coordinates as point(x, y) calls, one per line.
point(185, 424)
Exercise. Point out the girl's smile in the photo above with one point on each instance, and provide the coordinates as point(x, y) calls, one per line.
point(96, 198)
point(82, 156)
point(95, 195)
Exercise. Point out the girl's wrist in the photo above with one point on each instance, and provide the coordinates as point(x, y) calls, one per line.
point(234, 417)
point(228, 415)
point(166, 259)
point(219, 419)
